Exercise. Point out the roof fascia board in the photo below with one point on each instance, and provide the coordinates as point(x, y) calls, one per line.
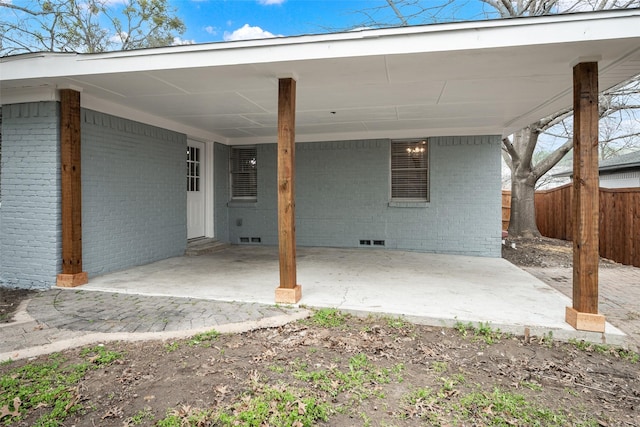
point(619, 167)
point(477, 35)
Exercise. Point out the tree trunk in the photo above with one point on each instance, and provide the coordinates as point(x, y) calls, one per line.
point(523, 211)
point(523, 181)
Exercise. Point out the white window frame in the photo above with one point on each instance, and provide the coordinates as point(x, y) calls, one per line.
point(249, 174)
point(417, 149)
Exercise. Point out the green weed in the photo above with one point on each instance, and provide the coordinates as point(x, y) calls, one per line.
point(421, 403)
point(52, 384)
point(531, 385)
point(360, 379)
point(483, 332)
point(500, 408)
point(547, 339)
point(172, 346)
point(139, 417)
point(204, 339)
point(618, 352)
point(100, 356)
point(272, 406)
point(397, 323)
point(439, 367)
point(327, 318)
point(277, 369)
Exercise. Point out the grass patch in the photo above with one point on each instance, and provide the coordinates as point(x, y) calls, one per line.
point(100, 356)
point(140, 417)
point(397, 323)
point(204, 339)
point(327, 318)
point(483, 332)
point(263, 406)
point(618, 352)
point(501, 408)
point(361, 379)
point(51, 386)
point(439, 367)
point(172, 346)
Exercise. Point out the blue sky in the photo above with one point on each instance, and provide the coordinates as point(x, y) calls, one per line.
point(219, 20)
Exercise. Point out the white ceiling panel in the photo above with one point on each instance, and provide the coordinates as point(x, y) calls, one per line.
point(208, 80)
point(500, 90)
point(333, 117)
point(128, 85)
point(218, 122)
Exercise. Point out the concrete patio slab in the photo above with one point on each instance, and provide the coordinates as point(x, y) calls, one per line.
point(426, 288)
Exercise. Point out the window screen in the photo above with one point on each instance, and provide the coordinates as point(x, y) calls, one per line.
point(410, 170)
point(244, 173)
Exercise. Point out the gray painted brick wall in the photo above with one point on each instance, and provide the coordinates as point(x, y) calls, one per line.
point(342, 196)
point(30, 216)
point(133, 193)
point(221, 191)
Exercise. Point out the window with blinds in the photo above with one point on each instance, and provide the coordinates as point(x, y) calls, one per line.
point(410, 170)
point(244, 173)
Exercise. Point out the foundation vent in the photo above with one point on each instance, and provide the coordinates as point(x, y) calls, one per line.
point(250, 240)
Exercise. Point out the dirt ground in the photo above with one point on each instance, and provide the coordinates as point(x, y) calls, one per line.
point(9, 301)
point(543, 252)
point(340, 370)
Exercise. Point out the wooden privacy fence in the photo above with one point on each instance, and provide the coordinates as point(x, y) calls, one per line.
point(506, 209)
point(619, 220)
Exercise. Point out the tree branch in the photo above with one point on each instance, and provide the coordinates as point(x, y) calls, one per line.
point(552, 159)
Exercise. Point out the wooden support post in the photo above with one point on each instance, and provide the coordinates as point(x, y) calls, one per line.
point(70, 160)
point(289, 291)
point(584, 313)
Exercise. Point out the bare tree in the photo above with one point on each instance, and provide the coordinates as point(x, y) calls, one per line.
point(618, 106)
point(619, 132)
point(518, 150)
point(86, 25)
point(409, 12)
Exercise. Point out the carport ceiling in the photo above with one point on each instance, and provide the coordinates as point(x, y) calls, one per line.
point(490, 77)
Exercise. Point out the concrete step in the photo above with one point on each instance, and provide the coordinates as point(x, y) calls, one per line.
point(205, 246)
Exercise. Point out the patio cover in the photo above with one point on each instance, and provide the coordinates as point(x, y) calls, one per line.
point(485, 77)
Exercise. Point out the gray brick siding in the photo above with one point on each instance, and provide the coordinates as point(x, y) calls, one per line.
point(30, 216)
point(221, 191)
point(342, 196)
point(133, 193)
point(133, 190)
point(134, 196)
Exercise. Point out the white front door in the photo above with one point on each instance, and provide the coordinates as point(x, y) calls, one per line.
point(195, 189)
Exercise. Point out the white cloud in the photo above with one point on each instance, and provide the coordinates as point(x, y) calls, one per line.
point(211, 30)
point(119, 37)
point(109, 3)
point(248, 32)
point(177, 41)
point(270, 2)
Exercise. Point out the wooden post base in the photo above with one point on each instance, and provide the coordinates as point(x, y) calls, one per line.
point(72, 280)
point(585, 321)
point(288, 295)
